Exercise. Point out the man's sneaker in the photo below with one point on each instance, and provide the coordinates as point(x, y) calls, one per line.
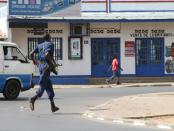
point(32, 101)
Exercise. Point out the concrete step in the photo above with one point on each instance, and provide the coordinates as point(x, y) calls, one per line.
point(102, 80)
point(133, 80)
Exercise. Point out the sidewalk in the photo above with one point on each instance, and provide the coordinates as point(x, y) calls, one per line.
point(114, 85)
point(155, 110)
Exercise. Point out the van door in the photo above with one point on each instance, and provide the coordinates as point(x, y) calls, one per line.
point(15, 62)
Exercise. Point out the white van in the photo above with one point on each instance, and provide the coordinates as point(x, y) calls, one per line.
point(16, 71)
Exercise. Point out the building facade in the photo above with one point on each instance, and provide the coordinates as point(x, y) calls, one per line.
point(85, 42)
point(3, 20)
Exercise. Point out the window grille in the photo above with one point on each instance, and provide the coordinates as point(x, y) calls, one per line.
point(33, 42)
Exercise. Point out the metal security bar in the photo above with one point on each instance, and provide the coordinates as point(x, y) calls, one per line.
point(141, 52)
point(33, 42)
point(57, 48)
point(156, 52)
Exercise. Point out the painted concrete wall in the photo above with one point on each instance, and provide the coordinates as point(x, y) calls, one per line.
point(128, 63)
point(3, 22)
point(83, 66)
point(126, 6)
point(141, 6)
point(70, 67)
point(3, 4)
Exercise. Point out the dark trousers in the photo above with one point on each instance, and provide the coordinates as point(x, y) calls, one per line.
point(115, 74)
point(45, 84)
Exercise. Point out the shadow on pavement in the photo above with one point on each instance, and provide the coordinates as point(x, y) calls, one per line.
point(67, 114)
point(19, 99)
point(26, 99)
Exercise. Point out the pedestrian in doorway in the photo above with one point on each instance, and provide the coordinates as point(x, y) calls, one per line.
point(115, 70)
point(45, 53)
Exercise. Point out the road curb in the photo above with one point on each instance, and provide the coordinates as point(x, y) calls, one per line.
point(142, 123)
point(150, 84)
point(110, 85)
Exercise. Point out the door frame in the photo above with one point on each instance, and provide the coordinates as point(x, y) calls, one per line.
point(148, 57)
point(107, 66)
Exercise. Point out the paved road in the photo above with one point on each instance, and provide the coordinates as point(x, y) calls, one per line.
point(16, 116)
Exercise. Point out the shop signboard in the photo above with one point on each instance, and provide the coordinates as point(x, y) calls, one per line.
point(37, 7)
point(129, 48)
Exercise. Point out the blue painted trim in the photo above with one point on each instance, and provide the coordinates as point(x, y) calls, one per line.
point(69, 76)
point(110, 10)
point(65, 80)
point(168, 74)
point(134, 75)
point(82, 81)
point(61, 47)
point(142, 11)
point(93, 11)
point(87, 21)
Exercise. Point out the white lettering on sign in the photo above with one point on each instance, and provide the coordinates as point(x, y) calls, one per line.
point(143, 33)
point(42, 31)
point(104, 30)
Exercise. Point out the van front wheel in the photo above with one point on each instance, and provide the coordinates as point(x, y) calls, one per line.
point(12, 90)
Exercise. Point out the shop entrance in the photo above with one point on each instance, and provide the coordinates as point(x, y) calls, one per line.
point(149, 56)
point(102, 52)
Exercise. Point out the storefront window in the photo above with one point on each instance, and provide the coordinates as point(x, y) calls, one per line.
point(141, 52)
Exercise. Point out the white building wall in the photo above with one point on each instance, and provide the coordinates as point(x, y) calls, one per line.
point(98, 6)
point(70, 67)
point(83, 66)
point(105, 26)
point(128, 63)
point(141, 6)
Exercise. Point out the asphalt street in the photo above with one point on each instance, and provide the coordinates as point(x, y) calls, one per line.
point(16, 115)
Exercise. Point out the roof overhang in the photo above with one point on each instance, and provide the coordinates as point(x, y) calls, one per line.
point(114, 17)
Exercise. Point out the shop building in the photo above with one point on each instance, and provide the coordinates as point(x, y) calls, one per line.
point(3, 20)
point(85, 42)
